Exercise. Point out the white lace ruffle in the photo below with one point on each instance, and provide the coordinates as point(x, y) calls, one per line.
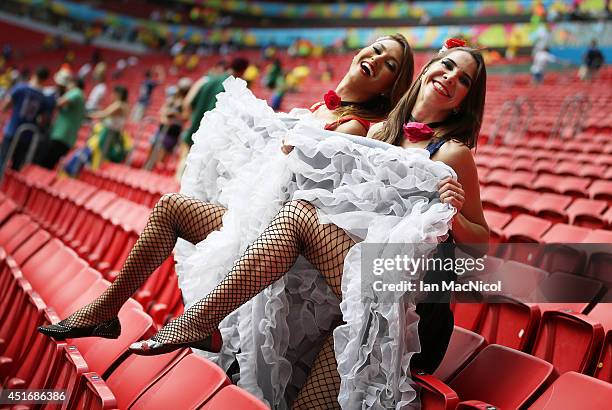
point(377, 194)
point(380, 196)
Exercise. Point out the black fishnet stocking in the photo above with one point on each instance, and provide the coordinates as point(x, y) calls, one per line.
point(173, 216)
point(323, 384)
point(294, 230)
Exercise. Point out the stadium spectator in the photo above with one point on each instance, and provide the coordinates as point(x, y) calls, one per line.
point(541, 58)
point(593, 60)
point(274, 71)
point(66, 125)
point(30, 107)
point(171, 121)
point(111, 142)
point(96, 94)
point(146, 90)
point(202, 98)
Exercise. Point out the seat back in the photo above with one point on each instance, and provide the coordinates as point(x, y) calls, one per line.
point(100, 354)
point(176, 389)
point(141, 371)
point(570, 341)
point(463, 345)
point(603, 369)
point(93, 394)
point(233, 397)
point(30, 246)
point(575, 391)
point(502, 376)
point(509, 322)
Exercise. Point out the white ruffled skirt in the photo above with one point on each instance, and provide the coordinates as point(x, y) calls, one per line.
point(376, 192)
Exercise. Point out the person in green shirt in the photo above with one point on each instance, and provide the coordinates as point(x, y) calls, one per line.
point(67, 123)
point(202, 98)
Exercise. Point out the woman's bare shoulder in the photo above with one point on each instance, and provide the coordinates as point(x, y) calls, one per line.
point(375, 128)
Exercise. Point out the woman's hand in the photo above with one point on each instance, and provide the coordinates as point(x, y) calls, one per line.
point(452, 193)
point(286, 148)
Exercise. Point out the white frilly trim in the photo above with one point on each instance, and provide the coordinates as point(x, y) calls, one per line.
point(376, 193)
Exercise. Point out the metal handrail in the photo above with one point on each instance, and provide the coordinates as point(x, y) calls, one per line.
point(514, 111)
point(150, 164)
point(506, 107)
point(571, 116)
point(522, 102)
point(137, 135)
point(31, 149)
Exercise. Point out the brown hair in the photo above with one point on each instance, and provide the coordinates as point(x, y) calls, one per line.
point(379, 107)
point(464, 126)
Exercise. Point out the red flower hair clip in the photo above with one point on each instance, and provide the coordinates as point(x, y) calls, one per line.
point(332, 100)
point(452, 43)
point(417, 131)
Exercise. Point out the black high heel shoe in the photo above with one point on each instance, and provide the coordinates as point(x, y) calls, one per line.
point(111, 329)
point(151, 347)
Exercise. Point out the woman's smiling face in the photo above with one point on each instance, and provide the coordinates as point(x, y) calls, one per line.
point(446, 82)
point(377, 66)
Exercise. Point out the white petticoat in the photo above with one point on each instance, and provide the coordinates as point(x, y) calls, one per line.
point(376, 193)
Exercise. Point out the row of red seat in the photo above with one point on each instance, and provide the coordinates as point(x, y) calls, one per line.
point(65, 283)
point(99, 226)
point(44, 280)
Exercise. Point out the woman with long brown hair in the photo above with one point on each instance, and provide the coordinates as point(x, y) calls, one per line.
point(442, 112)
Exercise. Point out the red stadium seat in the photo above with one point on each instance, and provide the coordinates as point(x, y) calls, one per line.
point(496, 221)
point(522, 164)
point(602, 312)
point(70, 368)
point(93, 394)
point(550, 206)
point(233, 397)
point(463, 346)
point(7, 208)
point(518, 200)
point(601, 189)
point(141, 371)
point(174, 388)
point(499, 376)
point(600, 260)
point(564, 258)
point(574, 186)
point(15, 227)
point(100, 354)
point(545, 165)
point(575, 391)
point(492, 197)
point(566, 291)
point(509, 322)
point(598, 236)
point(603, 370)
point(587, 213)
point(562, 233)
point(570, 341)
point(526, 228)
point(51, 267)
point(519, 279)
point(511, 179)
point(14, 351)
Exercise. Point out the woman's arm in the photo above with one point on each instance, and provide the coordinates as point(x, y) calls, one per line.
point(375, 128)
point(352, 127)
point(469, 224)
point(107, 112)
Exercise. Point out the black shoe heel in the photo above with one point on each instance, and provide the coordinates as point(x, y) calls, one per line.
point(110, 329)
point(152, 347)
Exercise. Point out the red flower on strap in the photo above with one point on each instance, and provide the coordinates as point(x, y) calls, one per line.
point(417, 131)
point(332, 100)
